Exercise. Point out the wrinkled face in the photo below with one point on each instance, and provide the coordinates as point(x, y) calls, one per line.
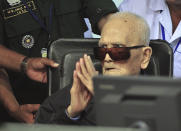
point(116, 34)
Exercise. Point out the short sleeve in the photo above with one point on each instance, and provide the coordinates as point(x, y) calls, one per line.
point(96, 9)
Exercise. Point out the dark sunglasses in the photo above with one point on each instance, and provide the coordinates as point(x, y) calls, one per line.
point(116, 53)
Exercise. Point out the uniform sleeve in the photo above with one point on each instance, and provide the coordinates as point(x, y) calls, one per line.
point(96, 9)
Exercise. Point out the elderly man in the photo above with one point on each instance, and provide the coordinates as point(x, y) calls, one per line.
point(164, 19)
point(123, 50)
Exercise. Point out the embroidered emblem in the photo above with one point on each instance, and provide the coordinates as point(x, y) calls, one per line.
point(28, 41)
point(18, 10)
point(13, 2)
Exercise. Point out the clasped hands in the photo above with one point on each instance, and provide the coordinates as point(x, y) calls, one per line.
point(82, 87)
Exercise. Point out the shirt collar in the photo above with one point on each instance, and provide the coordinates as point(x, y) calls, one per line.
point(157, 5)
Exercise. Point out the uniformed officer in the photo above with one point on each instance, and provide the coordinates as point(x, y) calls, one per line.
point(28, 26)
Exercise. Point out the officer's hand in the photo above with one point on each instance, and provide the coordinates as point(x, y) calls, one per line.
point(87, 71)
point(80, 96)
point(25, 113)
point(36, 68)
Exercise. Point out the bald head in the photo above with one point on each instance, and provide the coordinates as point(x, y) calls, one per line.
point(127, 28)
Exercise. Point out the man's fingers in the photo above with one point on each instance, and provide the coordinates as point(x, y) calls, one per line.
point(75, 81)
point(89, 64)
point(77, 70)
point(88, 97)
point(84, 82)
point(35, 107)
point(44, 79)
point(86, 93)
point(84, 69)
point(30, 119)
point(82, 78)
point(48, 62)
point(32, 107)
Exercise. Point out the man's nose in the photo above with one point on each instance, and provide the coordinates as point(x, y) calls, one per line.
point(107, 58)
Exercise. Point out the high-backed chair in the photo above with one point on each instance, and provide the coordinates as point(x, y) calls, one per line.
point(68, 51)
point(161, 63)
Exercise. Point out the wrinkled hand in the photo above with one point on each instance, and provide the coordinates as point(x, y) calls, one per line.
point(25, 113)
point(87, 72)
point(82, 88)
point(36, 68)
point(80, 96)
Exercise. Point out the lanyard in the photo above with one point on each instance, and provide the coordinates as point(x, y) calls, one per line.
point(41, 23)
point(163, 37)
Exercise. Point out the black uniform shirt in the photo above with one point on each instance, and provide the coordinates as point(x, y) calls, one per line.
point(19, 31)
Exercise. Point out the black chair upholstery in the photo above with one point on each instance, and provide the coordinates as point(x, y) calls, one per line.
point(161, 63)
point(68, 51)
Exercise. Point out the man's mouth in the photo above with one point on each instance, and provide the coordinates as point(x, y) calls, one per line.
point(107, 69)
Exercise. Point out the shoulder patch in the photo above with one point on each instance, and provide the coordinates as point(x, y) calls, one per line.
point(18, 10)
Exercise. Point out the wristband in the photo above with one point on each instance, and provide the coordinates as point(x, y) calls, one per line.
point(23, 66)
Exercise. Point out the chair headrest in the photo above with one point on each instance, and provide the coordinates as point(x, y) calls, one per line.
point(68, 51)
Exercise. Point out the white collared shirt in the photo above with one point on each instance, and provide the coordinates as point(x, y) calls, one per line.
point(156, 12)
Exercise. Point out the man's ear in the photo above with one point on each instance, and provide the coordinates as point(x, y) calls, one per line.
point(147, 52)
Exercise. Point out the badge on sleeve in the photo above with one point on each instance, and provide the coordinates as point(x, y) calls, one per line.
point(28, 41)
point(13, 2)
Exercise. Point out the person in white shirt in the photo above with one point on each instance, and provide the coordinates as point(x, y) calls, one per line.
point(164, 19)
